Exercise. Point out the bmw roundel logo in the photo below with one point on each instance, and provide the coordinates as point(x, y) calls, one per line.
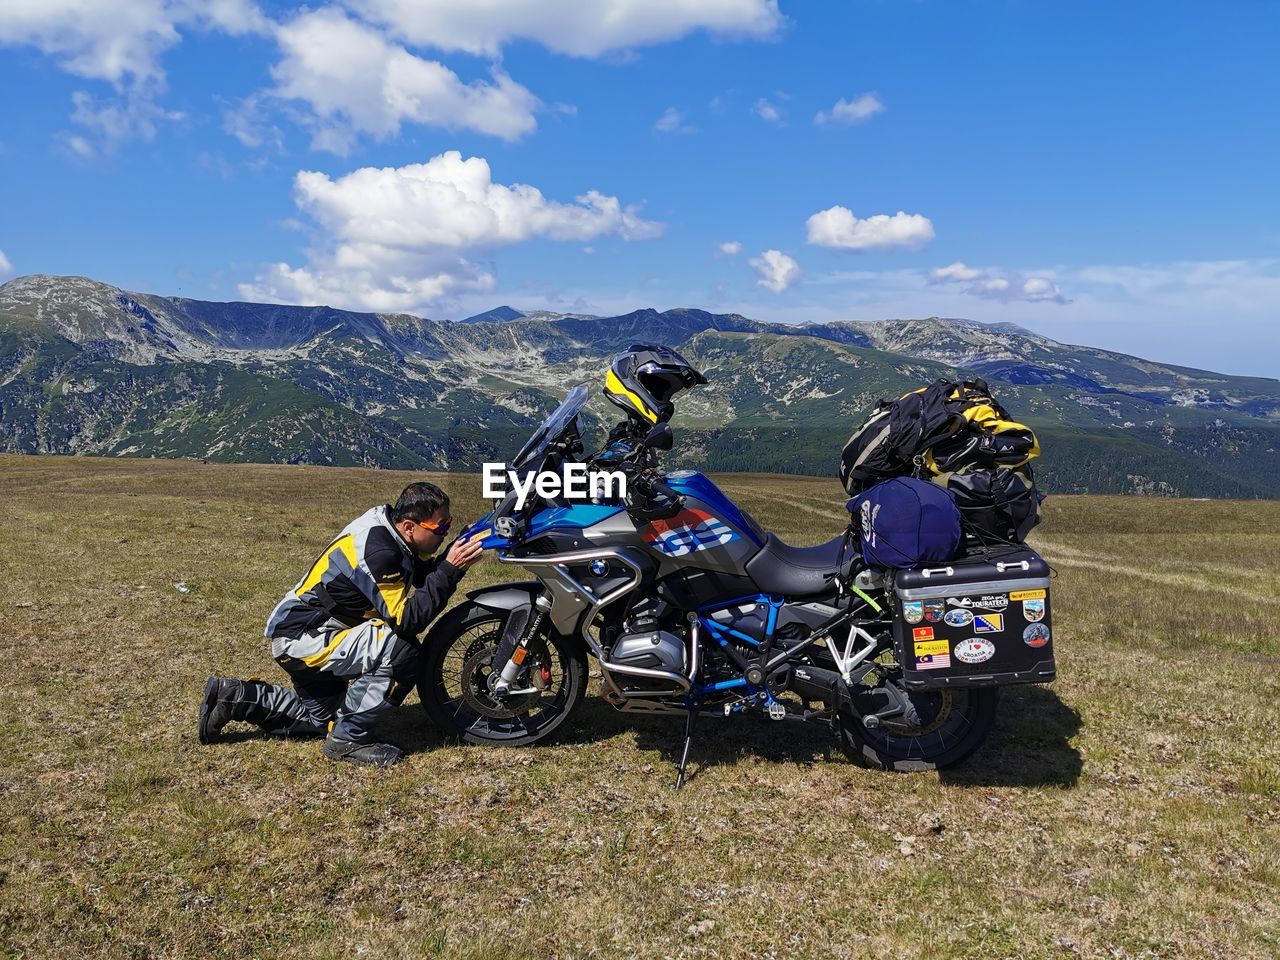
point(599, 567)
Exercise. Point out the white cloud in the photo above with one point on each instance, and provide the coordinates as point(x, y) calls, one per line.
point(356, 81)
point(374, 290)
point(114, 121)
point(355, 75)
point(1040, 288)
point(777, 270)
point(992, 285)
point(121, 42)
point(671, 121)
point(453, 202)
point(730, 248)
point(6, 267)
point(954, 272)
point(394, 236)
point(247, 121)
point(837, 228)
point(995, 287)
point(584, 28)
point(857, 110)
point(765, 110)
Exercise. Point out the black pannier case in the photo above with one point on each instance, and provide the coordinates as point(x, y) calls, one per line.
point(975, 622)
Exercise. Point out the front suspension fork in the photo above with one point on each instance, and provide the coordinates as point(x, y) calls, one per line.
point(501, 684)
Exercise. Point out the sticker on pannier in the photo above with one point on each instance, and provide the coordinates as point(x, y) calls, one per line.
point(975, 650)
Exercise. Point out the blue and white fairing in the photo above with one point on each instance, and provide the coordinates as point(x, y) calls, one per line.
point(709, 531)
point(565, 519)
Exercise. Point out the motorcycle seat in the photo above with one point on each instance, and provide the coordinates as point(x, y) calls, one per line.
point(781, 569)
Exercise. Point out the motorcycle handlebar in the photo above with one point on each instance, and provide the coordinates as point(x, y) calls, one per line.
point(650, 485)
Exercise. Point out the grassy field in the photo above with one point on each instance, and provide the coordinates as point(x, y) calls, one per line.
point(1131, 809)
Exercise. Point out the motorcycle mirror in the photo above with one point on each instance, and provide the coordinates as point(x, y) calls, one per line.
point(659, 438)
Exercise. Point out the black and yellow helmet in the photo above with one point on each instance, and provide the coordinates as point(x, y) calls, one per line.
point(643, 380)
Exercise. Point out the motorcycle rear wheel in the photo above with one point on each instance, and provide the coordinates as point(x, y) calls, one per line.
point(954, 723)
point(457, 663)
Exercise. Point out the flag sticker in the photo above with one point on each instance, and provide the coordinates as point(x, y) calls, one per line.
point(988, 622)
point(933, 661)
point(922, 633)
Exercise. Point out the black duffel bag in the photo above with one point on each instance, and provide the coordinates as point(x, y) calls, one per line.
point(1001, 504)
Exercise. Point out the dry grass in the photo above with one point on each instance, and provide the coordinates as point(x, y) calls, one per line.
point(1131, 809)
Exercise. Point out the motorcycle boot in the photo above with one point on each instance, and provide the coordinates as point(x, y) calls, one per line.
point(369, 754)
point(252, 701)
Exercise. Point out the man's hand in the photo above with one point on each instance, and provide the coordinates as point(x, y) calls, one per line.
point(464, 553)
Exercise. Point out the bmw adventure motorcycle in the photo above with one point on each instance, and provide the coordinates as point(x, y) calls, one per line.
point(689, 608)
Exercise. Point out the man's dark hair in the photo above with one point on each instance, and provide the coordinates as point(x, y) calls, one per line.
point(419, 501)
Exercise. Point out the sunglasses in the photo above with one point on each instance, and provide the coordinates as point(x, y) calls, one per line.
point(439, 530)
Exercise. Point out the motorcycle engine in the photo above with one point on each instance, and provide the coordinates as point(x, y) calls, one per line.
point(652, 649)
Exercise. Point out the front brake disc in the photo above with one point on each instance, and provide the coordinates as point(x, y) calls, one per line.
point(476, 670)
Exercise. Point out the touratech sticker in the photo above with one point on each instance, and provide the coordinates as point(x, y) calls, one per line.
point(1036, 635)
point(958, 618)
point(975, 650)
point(988, 622)
point(933, 610)
point(931, 648)
point(913, 611)
point(689, 531)
point(988, 601)
point(922, 633)
point(933, 661)
point(1033, 610)
point(1028, 595)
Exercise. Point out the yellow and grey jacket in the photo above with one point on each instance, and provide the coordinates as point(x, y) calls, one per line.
point(367, 573)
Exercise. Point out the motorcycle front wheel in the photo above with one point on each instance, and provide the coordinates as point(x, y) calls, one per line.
point(951, 725)
point(454, 683)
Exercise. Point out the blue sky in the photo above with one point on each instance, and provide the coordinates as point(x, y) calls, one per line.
point(1101, 173)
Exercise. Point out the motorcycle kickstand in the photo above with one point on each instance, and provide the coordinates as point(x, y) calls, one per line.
point(688, 740)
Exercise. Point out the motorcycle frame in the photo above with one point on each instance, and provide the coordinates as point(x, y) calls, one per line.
point(575, 608)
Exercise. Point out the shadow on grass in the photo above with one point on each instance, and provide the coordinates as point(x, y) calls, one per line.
point(717, 741)
point(1030, 746)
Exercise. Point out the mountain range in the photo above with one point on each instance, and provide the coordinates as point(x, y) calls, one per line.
point(87, 368)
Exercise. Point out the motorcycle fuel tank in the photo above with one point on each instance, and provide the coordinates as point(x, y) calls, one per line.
point(709, 531)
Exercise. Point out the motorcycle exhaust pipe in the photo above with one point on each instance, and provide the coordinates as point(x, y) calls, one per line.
point(815, 683)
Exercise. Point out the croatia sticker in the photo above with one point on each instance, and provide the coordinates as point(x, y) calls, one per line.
point(913, 611)
point(1033, 610)
point(975, 650)
point(688, 532)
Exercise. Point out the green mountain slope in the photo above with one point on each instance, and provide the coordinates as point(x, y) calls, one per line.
point(88, 368)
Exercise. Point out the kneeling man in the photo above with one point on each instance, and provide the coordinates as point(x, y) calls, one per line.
point(347, 634)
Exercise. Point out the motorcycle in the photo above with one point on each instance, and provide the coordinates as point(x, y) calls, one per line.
point(689, 608)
